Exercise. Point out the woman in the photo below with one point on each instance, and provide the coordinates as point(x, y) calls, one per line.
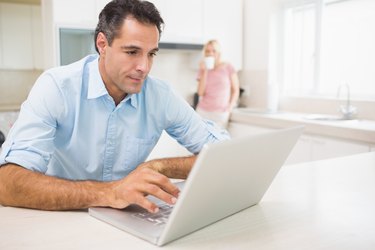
point(218, 86)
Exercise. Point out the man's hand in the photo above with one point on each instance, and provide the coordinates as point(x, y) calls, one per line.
point(151, 178)
point(20, 187)
point(142, 182)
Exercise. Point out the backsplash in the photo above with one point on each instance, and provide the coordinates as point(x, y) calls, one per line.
point(179, 69)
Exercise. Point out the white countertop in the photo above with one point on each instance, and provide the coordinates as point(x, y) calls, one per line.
point(357, 130)
point(326, 204)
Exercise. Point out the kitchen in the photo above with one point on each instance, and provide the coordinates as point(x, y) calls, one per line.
point(253, 40)
point(252, 47)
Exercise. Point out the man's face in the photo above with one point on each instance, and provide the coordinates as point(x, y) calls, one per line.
point(125, 64)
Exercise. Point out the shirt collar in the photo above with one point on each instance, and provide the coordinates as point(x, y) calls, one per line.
point(96, 87)
point(132, 98)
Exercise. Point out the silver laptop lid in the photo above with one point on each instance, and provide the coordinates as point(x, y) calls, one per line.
point(227, 177)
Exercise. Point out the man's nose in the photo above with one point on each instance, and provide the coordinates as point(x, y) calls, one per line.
point(143, 64)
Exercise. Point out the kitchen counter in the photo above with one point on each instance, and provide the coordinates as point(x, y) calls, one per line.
point(317, 205)
point(356, 130)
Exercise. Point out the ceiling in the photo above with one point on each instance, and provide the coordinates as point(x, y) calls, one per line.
point(22, 1)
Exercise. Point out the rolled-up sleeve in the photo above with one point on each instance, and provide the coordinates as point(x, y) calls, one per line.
point(30, 142)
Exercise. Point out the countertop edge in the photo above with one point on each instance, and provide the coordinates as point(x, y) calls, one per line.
point(311, 127)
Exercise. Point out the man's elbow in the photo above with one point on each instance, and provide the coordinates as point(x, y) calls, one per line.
point(8, 180)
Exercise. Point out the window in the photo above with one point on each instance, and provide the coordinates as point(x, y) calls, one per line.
point(328, 43)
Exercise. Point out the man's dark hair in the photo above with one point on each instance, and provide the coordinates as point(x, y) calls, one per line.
point(113, 14)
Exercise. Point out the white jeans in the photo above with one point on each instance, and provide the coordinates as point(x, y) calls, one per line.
point(220, 118)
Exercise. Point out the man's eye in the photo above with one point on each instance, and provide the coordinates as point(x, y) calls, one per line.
point(153, 54)
point(131, 52)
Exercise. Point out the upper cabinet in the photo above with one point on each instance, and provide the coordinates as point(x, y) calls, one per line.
point(223, 21)
point(197, 21)
point(183, 20)
point(20, 36)
point(191, 22)
point(73, 12)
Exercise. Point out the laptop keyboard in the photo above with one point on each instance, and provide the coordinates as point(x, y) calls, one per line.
point(158, 219)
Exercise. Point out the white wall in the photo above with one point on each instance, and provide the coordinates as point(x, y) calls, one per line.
point(179, 68)
point(258, 23)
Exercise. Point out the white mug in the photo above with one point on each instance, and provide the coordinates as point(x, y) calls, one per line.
point(209, 61)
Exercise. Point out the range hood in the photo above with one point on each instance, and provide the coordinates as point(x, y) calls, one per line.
point(180, 46)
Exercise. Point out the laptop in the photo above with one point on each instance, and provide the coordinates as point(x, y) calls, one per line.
point(226, 178)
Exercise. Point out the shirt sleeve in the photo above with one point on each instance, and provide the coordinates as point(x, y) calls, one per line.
point(188, 128)
point(30, 142)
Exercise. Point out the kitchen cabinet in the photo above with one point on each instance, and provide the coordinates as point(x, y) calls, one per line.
point(183, 20)
point(72, 12)
point(237, 130)
point(198, 21)
point(308, 147)
point(81, 14)
point(314, 148)
point(194, 22)
point(21, 36)
point(324, 148)
point(223, 20)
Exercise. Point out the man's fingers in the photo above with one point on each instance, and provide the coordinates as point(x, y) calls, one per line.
point(135, 187)
point(147, 204)
point(159, 193)
point(161, 182)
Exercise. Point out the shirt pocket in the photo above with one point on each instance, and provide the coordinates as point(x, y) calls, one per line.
point(137, 151)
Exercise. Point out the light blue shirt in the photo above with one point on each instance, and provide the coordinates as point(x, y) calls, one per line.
point(70, 127)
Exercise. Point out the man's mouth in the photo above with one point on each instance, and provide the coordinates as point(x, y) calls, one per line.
point(137, 78)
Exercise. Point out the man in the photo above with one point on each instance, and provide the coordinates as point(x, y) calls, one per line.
point(85, 130)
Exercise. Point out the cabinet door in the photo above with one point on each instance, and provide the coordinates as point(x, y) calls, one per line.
point(223, 20)
point(183, 20)
point(16, 29)
point(324, 148)
point(239, 130)
point(73, 12)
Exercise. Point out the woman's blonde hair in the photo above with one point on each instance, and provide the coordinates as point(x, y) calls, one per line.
point(214, 44)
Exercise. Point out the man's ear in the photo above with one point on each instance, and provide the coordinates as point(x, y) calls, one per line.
point(101, 43)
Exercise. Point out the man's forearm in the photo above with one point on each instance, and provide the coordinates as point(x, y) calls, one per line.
point(20, 187)
point(177, 167)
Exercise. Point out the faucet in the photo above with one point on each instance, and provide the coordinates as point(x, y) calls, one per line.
point(348, 111)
